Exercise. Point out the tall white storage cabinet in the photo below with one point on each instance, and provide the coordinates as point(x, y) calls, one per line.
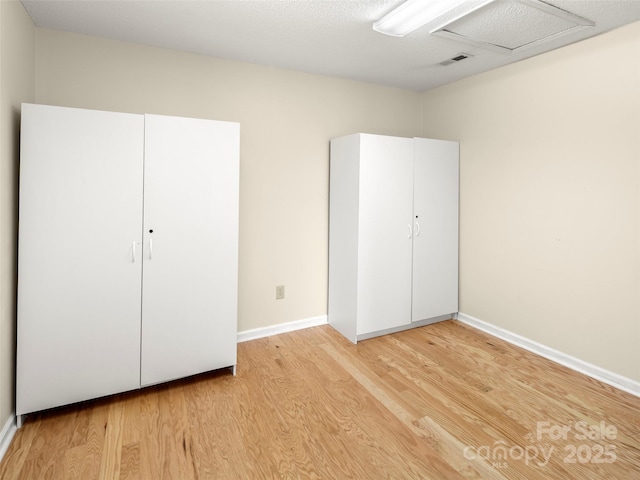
point(393, 233)
point(128, 247)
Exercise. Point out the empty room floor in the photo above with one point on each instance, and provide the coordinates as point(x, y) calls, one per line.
point(438, 402)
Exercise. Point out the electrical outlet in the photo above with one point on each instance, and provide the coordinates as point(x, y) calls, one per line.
point(279, 292)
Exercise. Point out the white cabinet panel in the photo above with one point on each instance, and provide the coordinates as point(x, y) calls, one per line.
point(190, 281)
point(343, 234)
point(385, 232)
point(435, 246)
point(79, 278)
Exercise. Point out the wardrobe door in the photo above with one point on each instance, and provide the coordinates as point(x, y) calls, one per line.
point(79, 260)
point(435, 245)
point(384, 233)
point(190, 278)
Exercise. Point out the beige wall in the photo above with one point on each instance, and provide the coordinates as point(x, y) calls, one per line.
point(17, 60)
point(287, 119)
point(550, 196)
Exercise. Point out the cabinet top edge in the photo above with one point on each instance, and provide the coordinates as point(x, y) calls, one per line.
point(29, 106)
point(374, 135)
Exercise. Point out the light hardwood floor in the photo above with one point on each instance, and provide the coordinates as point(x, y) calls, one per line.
point(439, 402)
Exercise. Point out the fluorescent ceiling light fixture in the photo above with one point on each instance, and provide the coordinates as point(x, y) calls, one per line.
point(412, 15)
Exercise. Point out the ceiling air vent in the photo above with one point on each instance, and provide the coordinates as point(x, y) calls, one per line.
point(456, 59)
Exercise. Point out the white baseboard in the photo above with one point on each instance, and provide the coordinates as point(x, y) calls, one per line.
point(7, 433)
point(606, 376)
point(262, 332)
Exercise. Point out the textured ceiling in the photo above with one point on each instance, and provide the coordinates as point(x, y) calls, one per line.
point(331, 37)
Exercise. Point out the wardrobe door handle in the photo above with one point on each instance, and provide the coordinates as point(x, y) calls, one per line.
point(150, 248)
point(417, 229)
point(410, 230)
point(133, 252)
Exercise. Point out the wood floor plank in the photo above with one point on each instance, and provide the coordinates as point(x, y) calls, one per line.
point(20, 450)
point(216, 427)
point(73, 458)
point(130, 462)
point(96, 431)
point(439, 402)
point(112, 447)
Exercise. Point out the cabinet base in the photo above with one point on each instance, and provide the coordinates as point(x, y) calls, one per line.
point(20, 418)
point(401, 328)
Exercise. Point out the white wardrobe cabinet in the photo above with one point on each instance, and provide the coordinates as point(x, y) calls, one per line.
point(128, 247)
point(393, 233)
